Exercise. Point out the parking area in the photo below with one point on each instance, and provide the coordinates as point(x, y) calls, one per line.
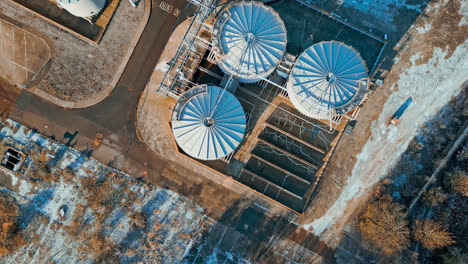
point(23, 53)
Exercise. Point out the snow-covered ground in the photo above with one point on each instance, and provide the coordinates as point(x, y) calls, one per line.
point(87, 212)
point(464, 10)
point(431, 86)
point(59, 218)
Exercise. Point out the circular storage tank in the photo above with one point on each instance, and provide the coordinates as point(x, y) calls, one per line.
point(251, 38)
point(82, 8)
point(328, 78)
point(208, 122)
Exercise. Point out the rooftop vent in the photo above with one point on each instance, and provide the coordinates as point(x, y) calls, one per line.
point(13, 160)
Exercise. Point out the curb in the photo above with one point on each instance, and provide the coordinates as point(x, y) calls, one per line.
point(109, 88)
point(50, 44)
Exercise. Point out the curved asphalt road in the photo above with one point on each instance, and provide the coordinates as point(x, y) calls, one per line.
point(115, 116)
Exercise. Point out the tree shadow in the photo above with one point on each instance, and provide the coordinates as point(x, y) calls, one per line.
point(250, 232)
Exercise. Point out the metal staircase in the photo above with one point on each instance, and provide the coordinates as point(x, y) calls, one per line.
point(190, 52)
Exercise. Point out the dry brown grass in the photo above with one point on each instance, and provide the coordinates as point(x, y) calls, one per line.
point(102, 195)
point(10, 240)
point(8, 207)
point(102, 249)
point(76, 225)
point(96, 191)
point(44, 174)
point(384, 224)
point(138, 219)
point(432, 234)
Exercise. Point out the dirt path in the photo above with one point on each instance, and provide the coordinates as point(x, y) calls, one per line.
point(431, 69)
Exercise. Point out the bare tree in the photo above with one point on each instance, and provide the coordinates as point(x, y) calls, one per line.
point(432, 234)
point(459, 182)
point(384, 224)
point(434, 196)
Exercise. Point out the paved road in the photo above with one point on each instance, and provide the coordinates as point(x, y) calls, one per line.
point(114, 117)
point(8, 96)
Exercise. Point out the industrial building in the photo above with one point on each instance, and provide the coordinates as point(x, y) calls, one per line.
point(208, 122)
point(254, 112)
point(250, 40)
point(328, 78)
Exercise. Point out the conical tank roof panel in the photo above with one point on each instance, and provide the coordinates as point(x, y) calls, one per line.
point(252, 39)
point(208, 123)
point(328, 78)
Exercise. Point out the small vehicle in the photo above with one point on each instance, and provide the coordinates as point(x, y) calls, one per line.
point(350, 126)
point(396, 116)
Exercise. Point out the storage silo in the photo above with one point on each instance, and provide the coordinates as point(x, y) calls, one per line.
point(82, 8)
point(208, 122)
point(327, 79)
point(251, 40)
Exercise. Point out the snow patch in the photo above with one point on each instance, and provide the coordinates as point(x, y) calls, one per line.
point(24, 188)
point(435, 5)
point(14, 179)
point(426, 28)
point(67, 160)
point(162, 66)
point(464, 12)
point(430, 92)
point(119, 233)
point(68, 196)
